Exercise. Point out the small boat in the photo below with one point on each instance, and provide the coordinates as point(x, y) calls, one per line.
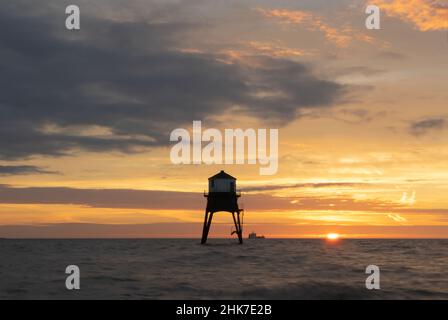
point(253, 235)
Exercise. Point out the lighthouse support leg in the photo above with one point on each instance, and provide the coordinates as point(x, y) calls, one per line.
point(238, 227)
point(240, 233)
point(207, 222)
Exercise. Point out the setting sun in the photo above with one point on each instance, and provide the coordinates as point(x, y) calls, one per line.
point(332, 236)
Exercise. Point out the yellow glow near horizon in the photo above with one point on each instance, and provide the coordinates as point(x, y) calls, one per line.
point(332, 236)
point(362, 170)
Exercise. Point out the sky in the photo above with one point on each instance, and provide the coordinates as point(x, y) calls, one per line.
point(86, 116)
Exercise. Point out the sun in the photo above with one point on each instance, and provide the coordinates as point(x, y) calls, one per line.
point(332, 236)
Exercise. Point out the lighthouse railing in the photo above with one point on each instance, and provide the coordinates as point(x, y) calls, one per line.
point(237, 193)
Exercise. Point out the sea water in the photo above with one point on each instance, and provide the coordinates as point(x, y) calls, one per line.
point(222, 269)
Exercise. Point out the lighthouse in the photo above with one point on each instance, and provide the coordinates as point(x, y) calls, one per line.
point(222, 196)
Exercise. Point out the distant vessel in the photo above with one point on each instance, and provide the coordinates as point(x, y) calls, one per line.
point(253, 235)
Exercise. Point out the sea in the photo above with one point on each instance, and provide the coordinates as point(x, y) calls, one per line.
point(223, 269)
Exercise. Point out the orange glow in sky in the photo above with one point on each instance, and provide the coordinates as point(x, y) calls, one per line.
point(366, 157)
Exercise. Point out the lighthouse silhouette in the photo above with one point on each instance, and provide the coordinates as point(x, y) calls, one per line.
point(222, 196)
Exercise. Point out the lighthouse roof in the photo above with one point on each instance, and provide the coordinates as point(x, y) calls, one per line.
point(222, 175)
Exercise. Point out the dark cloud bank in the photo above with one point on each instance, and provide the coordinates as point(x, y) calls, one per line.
point(22, 170)
point(126, 77)
point(163, 200)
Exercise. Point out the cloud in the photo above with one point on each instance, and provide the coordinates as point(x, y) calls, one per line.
point(22, 170)
point(408, 200)
point(304, 185)
point(194, 201)
point(341, 36)
point(425, 15)
point(174, 200)
point(424, 126)
point(263, 48)
point(358, 115)
point(391, 55)
point(126, 198)
point(397, 217)
point(102, 198)
point(128, 78)
point(358, 70)
point(350, 116)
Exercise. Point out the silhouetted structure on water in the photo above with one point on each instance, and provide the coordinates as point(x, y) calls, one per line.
point(222, 196)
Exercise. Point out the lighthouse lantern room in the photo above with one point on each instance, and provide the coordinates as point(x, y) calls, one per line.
point(221, 182)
